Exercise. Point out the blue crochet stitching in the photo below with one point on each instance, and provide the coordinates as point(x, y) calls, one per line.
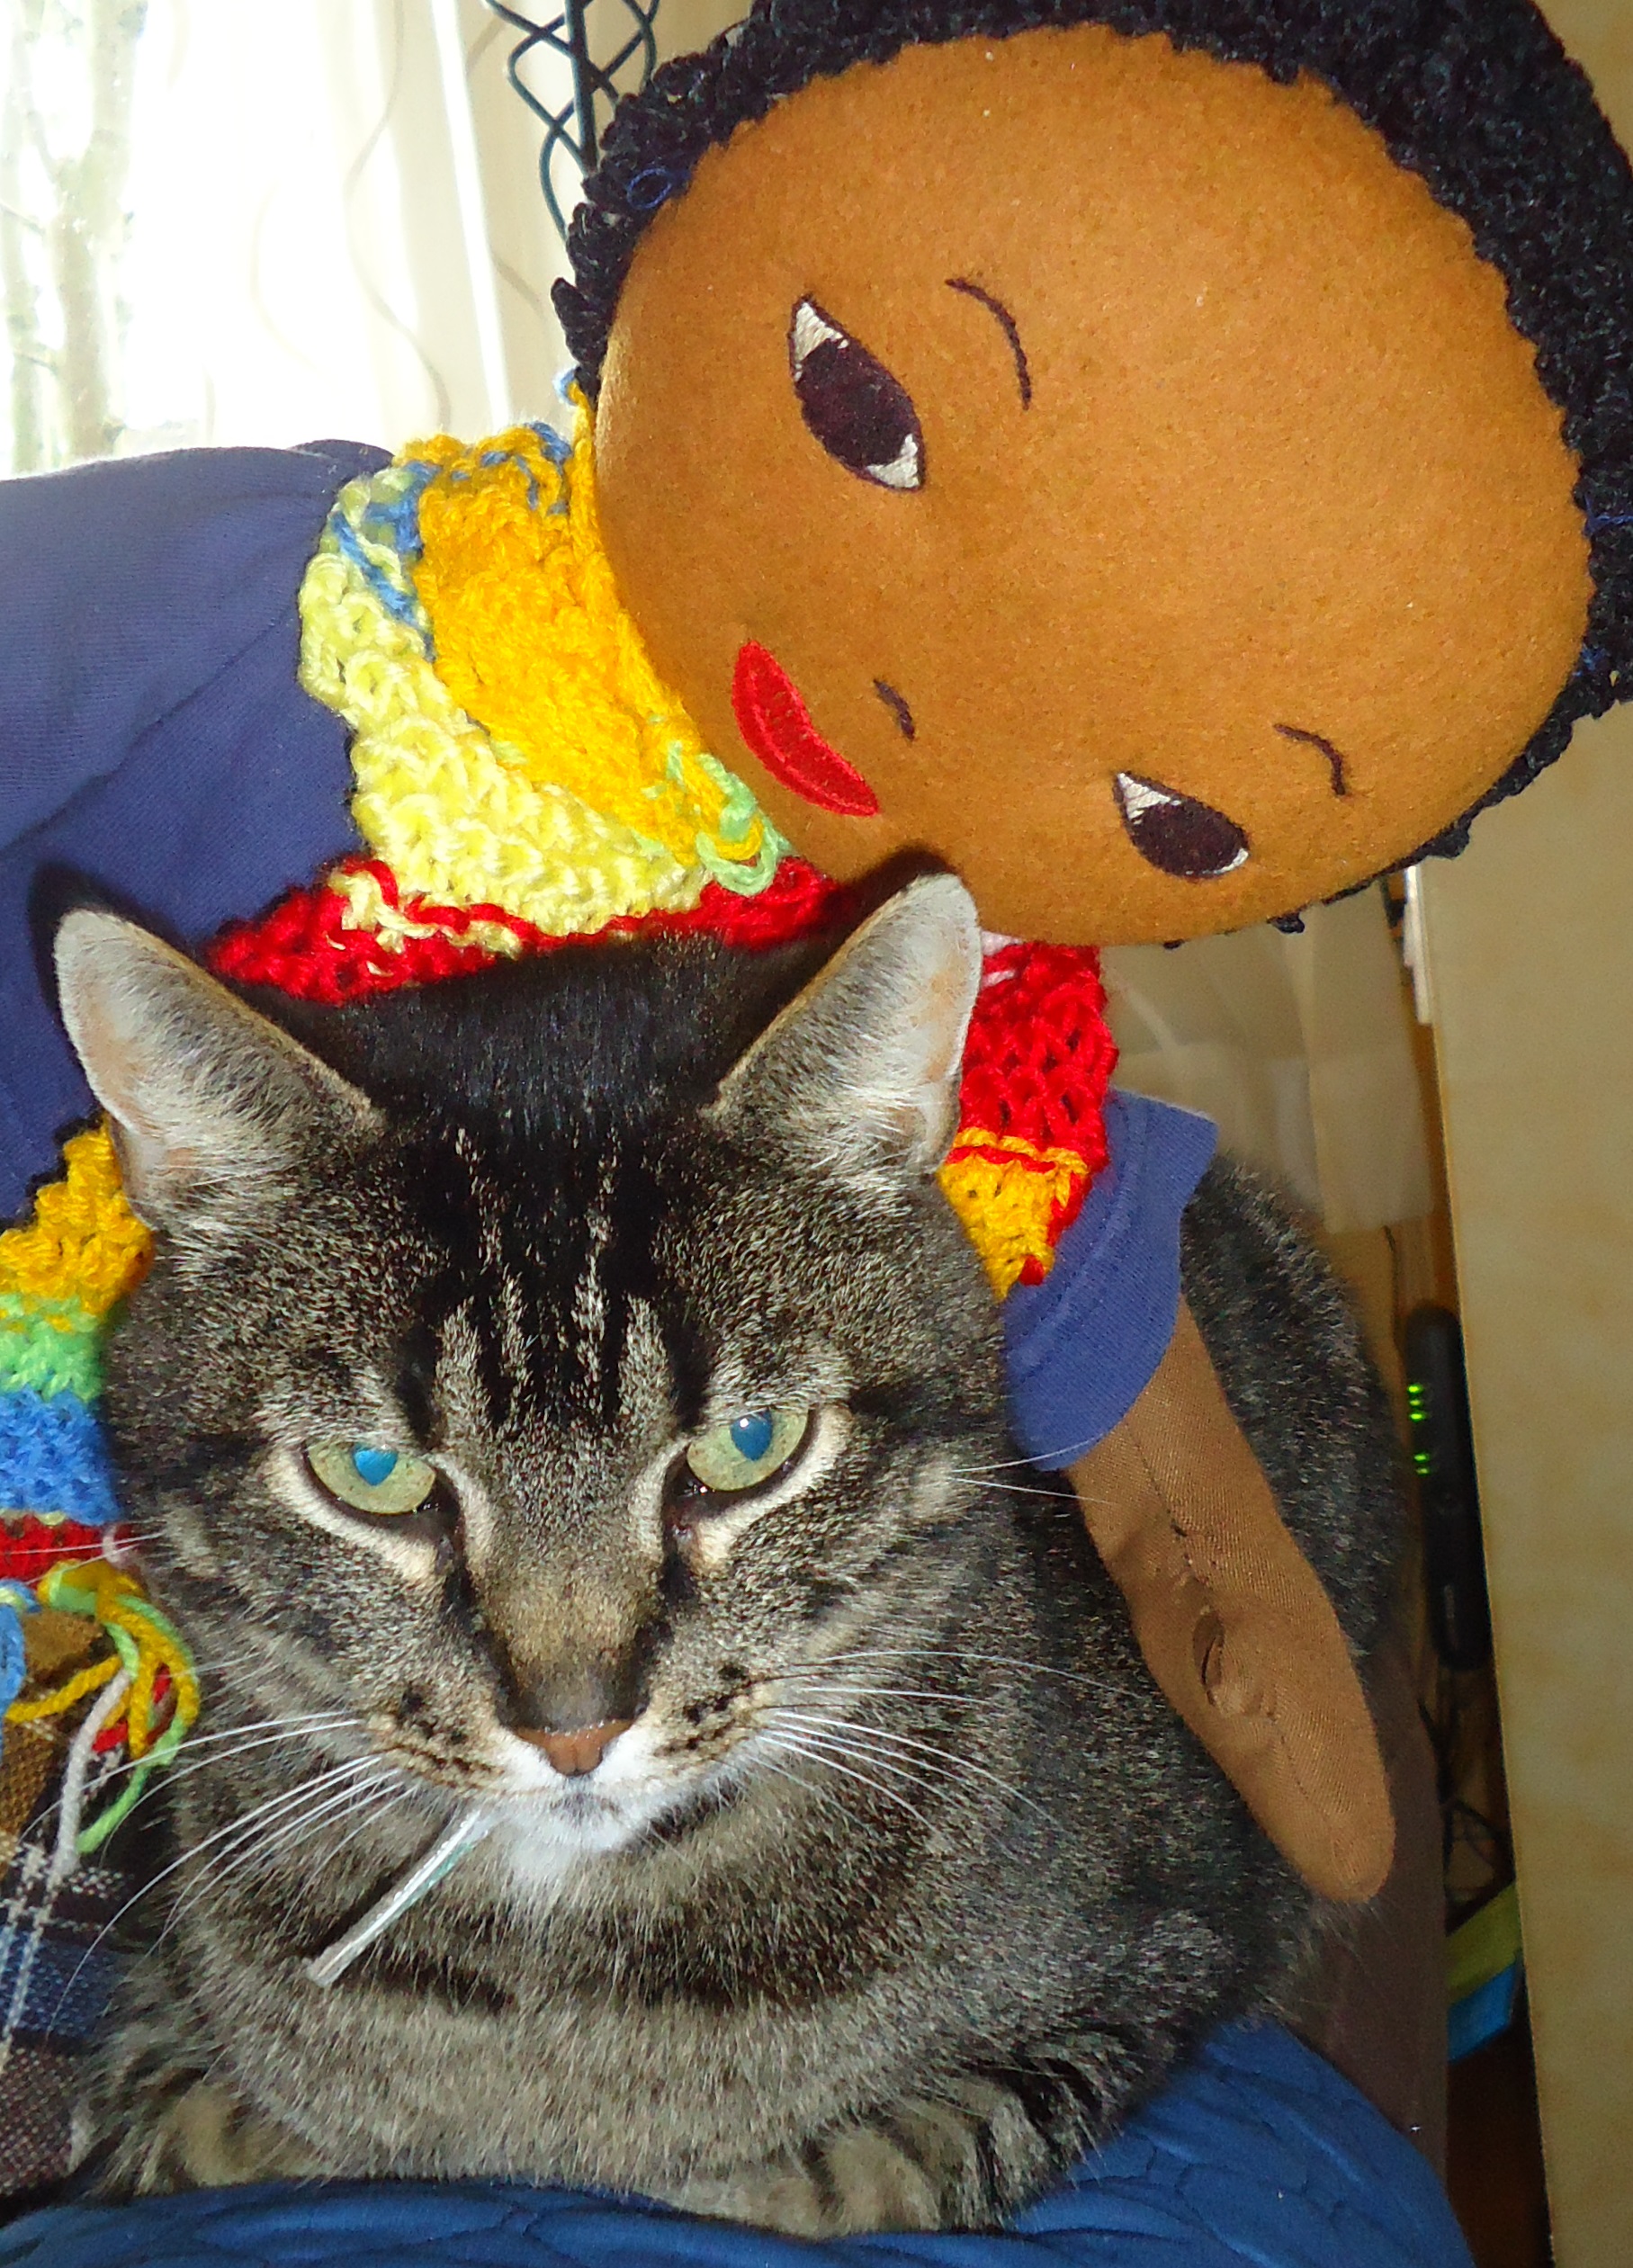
point(14, 1655)
point(404, 604)
point(54, 1458)
point(510, 456)
point(397, 521)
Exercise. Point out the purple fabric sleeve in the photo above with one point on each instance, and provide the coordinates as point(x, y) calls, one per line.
point(1081, 1346)
point(154, 742)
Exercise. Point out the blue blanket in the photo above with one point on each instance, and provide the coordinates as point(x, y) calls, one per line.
point(1257, 2155)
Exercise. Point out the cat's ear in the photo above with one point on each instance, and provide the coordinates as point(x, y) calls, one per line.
point(210, 1103)
point(861, 1069)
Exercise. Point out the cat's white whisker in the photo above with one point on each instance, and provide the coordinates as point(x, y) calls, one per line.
point(913, 1773)
point(188, 1857)
point(288, 1834)
point(1048, 1460)
point(373, 1804)
point(1007, 1488)
point(816, 1750)
point(279, 1833)
point(190, 1761)
point(235, 1833)
point(847, 1739)
point(953, 1760)
point(945, 1652)
point(384, 1800)
point(833, 1740)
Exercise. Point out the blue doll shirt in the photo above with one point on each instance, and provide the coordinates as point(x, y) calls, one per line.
point(153, 738)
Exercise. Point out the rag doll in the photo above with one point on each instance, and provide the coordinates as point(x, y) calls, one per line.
point(566, 1391)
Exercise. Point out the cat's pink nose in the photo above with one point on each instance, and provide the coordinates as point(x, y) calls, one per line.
point(578, 1752)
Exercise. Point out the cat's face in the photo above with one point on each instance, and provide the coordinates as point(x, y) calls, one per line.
point(564, 1434)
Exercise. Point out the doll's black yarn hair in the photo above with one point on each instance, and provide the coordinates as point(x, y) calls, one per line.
point(1476, 97)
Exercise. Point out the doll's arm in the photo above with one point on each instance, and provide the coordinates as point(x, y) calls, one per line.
point(154, 739)
point(1233, 1624)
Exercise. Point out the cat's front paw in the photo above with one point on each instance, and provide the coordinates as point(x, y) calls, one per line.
point(928, 2166)
point(843, 2187)
point(199, 2138)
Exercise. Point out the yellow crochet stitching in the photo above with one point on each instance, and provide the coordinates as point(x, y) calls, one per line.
point(531, 637)
point(368, 908)
point(451, 811)
point(84, 1243)
point(1008, 1203)
point(466, 817)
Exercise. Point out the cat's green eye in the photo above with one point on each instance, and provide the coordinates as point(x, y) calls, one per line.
point(371, 1480)
point(748, 1450)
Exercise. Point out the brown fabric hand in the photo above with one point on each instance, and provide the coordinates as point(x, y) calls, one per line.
point(1233, 1624)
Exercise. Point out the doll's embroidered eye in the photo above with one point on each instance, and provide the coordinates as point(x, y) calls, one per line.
point(730, 1459)
point(1176, 833)
point(371, 1480)
point(863, 416)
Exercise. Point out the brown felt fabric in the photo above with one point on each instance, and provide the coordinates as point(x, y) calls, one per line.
point(1286, 464)
point(1235, 1625)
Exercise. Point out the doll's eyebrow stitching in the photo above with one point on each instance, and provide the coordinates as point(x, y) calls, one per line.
point(1007, 324)
point(1341, 785)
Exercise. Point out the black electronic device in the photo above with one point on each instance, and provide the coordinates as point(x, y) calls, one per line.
point(1442, 1448)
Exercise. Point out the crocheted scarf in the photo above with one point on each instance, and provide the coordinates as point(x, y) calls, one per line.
point(521, 775)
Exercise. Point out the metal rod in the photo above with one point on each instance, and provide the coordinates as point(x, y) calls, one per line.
point(584, 89)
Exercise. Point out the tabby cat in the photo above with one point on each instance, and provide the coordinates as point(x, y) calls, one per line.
point(567, 1391)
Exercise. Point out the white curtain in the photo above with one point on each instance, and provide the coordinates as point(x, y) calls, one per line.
point(332, 218)
point(311, 239)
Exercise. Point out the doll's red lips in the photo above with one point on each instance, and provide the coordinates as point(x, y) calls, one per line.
point(1176, 833)
point(776, 724)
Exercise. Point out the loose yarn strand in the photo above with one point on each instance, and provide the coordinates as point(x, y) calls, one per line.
point(67, 1852)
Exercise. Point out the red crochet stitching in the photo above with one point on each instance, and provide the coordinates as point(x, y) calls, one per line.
point(28, 1546)
point(1037, 1065)
point(1039, 1058)
point(304, 946)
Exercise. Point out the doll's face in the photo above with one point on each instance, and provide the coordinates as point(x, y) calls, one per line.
point(1098, 465)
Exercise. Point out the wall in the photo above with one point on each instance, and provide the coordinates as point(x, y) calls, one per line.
point(1530, 951)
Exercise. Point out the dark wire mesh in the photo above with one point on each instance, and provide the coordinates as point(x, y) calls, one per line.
point(581, 35)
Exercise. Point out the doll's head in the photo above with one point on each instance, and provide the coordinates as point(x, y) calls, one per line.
point(1174, 472)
